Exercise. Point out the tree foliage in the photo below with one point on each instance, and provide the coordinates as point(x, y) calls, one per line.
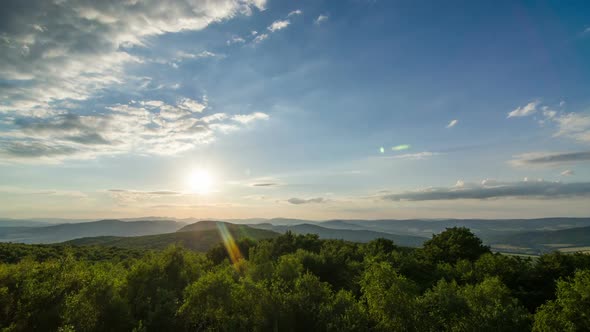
point(294, 283)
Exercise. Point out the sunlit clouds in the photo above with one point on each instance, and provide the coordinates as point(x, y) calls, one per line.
point(153, 127)
point(452, 123)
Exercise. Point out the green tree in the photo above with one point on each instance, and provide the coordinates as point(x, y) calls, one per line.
point(390, 298)
point(570, 311)
point(454, 244)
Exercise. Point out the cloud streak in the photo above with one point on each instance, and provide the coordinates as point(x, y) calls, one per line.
point(495, 190)
point(526, 110)
point(544, 158)
point(300, 201)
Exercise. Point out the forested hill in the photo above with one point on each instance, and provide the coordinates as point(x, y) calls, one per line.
point(358, 235)
point(199, 238)
point(293, 283)
point(543, 241)
point(65, 232)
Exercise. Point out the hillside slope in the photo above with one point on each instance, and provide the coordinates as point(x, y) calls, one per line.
point(346, 234)
point(544, 241)
point(199, 240)
point(65, 232)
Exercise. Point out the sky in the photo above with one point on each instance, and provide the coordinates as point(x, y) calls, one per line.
point(352, 109)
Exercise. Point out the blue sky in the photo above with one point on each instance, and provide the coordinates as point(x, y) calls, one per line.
point(292, 109)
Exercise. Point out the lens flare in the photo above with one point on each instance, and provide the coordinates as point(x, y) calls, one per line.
point(400, 147)
point(230, 244)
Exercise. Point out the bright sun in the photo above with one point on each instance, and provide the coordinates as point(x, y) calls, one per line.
point(200, 181)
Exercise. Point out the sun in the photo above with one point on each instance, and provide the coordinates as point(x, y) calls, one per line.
point(200, 181)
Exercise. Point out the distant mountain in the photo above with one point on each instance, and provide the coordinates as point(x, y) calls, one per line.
point(7, 222)
point(200, 240)
point(65, 232)
point(204, 225)
point(484, 228)
point(570, 239)
point(345, 234)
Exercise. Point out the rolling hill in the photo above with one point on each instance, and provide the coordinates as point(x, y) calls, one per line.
point(358, 235)
point(572, 239)
point(200, 238)
point(65, 232)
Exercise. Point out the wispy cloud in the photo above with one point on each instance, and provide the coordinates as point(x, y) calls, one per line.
point(247, 118)
point(300, 201)
point(261, 37)
point(550, 158)
point(573, 125)
point(415, 156)
point(526, 110)
point(494, 189)
point(45, 37)
point(295, 12)
point(567, 172)
point(235, 40)
point(265, 184)
point(320, 19)
point(278, 25)
point(152, 127)
point(452, 123)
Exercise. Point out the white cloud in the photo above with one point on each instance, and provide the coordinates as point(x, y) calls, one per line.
point(415, 156)
point(295, 12)
point(247, 118)
point(526, 110)
point(567, 172)
point(278, 25)
point(452, 123)
point(260, 38)
point(573, 125)
point(321, 18)
point(236, 40)
point(202, 54)
point(147, 127)
point(86, 42)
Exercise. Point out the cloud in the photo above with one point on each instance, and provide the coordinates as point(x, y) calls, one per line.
point(567, 172)
point(145, 127)
point(320, 19)
point(203, 54)
point(295, 12)
point(278, 25)
point(261, 37)
point(236, 40)
point(247, 118)
point(575, 126)
point(526, 110)
point(415, 156)
point(265, 184)
point(548, 158)
point(494, 190)
point(69, 49)
point(452, 123)
point(299, 201)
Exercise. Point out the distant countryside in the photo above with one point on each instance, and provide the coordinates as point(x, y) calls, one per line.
point(295, 275)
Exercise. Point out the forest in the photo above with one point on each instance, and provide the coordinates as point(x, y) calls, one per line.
point(293, 283)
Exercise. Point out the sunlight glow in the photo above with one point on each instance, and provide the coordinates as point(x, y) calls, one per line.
point(200, 181)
